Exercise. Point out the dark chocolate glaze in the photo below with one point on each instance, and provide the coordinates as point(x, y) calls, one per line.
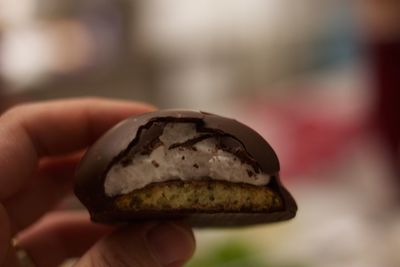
point(122, 138)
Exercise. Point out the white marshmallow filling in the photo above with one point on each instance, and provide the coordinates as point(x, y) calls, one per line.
point(203, 159)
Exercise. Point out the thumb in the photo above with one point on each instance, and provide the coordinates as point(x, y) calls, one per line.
point(142, 245)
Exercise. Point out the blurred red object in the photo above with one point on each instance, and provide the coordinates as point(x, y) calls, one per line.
point(308, 132)
point(385, 57)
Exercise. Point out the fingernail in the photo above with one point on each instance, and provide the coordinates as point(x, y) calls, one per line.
point(172, 244)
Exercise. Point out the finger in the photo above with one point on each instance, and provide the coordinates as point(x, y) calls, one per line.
point(151, 245)
point(52, 128)
point(59, 236)
point(44, 191)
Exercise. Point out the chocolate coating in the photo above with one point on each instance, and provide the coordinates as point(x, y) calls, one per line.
point(113, 145)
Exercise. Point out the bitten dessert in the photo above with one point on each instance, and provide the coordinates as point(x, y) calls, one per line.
point(206, 169)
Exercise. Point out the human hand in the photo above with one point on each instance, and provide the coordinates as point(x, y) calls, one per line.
point(40, 146)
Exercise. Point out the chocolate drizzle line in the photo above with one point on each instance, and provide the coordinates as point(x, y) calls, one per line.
point(225, 142)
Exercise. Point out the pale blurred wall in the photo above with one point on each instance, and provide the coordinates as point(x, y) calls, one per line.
point(209, 49)
point(184, 53)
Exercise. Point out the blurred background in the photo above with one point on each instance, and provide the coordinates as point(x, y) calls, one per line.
point(319, 79)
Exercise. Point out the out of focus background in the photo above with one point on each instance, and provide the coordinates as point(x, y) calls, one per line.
point(319, 79)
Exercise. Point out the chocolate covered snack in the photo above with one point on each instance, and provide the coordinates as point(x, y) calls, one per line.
point(209, 170)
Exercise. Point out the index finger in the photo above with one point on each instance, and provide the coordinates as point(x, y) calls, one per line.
point(50, 128)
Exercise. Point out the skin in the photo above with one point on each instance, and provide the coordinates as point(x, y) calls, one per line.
point(41, 144)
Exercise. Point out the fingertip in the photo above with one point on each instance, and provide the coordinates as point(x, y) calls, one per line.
point(166, 244)
point(171, 243)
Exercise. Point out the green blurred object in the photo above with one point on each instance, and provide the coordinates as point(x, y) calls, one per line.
point(233, 253)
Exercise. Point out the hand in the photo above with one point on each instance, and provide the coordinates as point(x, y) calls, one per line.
point(40, 145)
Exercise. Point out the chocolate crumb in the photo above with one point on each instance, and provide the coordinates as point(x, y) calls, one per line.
point(183, 157)
point(155, 163)
point(196, 166)
point(194, 148)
